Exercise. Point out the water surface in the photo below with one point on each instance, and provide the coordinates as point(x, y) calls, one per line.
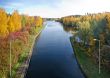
point(53, 56)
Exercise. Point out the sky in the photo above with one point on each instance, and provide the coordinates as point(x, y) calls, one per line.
point(55, 8)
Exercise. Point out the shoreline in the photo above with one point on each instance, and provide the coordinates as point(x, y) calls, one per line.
point(22, 70)
point(77, 59)
point(88, 67)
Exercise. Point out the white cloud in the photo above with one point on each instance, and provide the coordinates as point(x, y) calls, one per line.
point(40, 11)
point(64, 8)
point(84, 6)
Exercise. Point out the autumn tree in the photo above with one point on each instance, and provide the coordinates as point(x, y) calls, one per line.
point(14, 22)
point(91, 47)
point(23, 21)
point(11, 26)
point(32, 21)
point(3, 23)
point(107, 23)
point(107, 29)
point(38, 21)
point(84, 31)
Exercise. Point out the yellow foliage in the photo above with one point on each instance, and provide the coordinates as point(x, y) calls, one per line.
point(3, 23)
point(39, 21)
point(13, 22)
point(84, 25)
point(16, 20)
point(11, 26)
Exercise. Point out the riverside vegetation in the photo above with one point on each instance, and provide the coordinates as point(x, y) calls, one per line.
point(88, 28)
point(16, 34)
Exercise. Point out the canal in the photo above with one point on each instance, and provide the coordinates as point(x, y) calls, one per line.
point(53, 56)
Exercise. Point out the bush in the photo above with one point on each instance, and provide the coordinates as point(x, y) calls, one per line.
point(4, 57)
point(32, 31)
point(105, 56)
point(18, 40)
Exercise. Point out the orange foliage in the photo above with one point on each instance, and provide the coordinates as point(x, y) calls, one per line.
point(11, 27)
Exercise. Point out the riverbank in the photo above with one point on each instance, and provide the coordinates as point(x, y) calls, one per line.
point(22, 66)
point(88, 66)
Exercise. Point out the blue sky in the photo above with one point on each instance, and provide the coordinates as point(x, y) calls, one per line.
point(55, 8)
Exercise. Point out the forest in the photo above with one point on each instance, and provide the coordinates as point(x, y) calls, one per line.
point(92, 34)
point(16, 36)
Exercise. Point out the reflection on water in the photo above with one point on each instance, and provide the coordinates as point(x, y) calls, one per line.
point(53, 55)
point(70, 30)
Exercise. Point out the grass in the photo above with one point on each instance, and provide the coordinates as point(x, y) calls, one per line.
point(88, 66)
point(25, 52)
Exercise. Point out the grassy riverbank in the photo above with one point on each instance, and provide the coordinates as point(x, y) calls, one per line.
point(19, 69)
point(88, 66)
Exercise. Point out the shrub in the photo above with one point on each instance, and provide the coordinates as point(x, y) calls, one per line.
point(32, 31)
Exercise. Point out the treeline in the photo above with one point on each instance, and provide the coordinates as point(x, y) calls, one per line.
point(91, 27)
point(15, 33)
point(15, 22)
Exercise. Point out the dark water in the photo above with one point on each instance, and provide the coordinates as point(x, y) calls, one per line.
point(53, 56)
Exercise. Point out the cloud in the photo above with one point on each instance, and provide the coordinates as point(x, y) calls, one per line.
point(84, 6)
point(58, 8)
point(40, 11)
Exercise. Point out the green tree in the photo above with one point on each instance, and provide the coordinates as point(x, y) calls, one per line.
point(84, 31)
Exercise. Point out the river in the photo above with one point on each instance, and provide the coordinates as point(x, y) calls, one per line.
point(53, 56)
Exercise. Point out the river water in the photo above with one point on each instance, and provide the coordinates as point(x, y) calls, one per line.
point(53, 56)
